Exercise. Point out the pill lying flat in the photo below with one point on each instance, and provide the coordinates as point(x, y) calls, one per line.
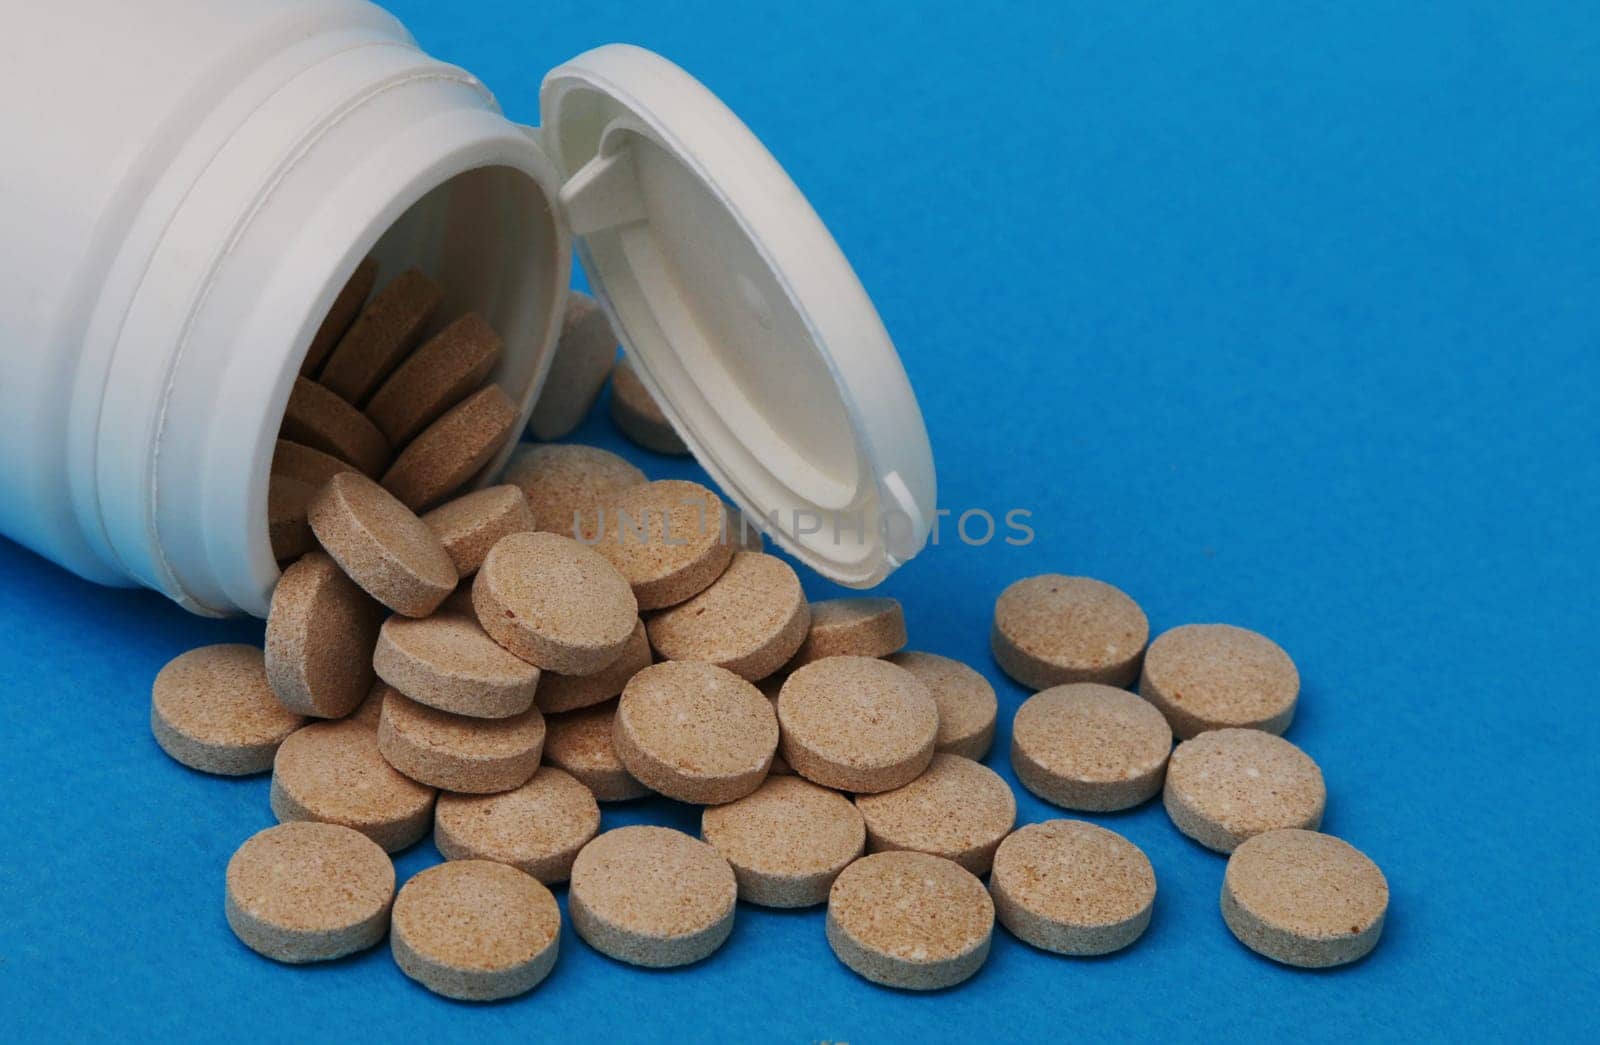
point(1304, 898)
point(957, 809)
point(580, 742)
point(910, 920)
point(665, 537)
point(456, 753)
point(855, 627)
point(786, 841)
point(967, 704)
point(306, 892)
point(475, 930)
point(1051, 630)
point(1212, 676)
point(333, 773)
point(473, 523)
point(1089, 746)
point(565, 483)
point(212, 709)
point(447, 662)
point(1227, 785)
point(857, 724)
point(537, 828)
point(1072, 887)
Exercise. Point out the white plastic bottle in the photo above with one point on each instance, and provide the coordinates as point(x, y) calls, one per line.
point(187, 184)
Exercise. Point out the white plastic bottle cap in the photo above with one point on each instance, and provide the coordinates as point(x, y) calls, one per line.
point(741, 314)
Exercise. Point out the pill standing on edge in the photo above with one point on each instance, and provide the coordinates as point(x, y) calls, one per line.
point(308, 892)
point(583, 356)
point(318, 418)
point(695, 732)
point(652, 896)
point(1072, 887)
point(537, 828)
point(1211, 676)
point(1227, 785)
point(1051, 630)
point(320, 632)
point(1091, 747)
point(333, 773)
point(967, 704)
point(958, 809)
point(450, 366)
point(446, 455)
point(388, 327)
point(910, 920)
point(750, 620)
point(346, 307)
point(857, 724)
point(637, 414)
point(1304, 898)
point(381, 545)
point(212, 709)
point(475, 930)
point(786, 841)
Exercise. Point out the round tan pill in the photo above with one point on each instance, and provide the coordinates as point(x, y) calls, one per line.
point(320, 632)
point(1227, 785)
point(554, 603)
point(1051, 630)
point(580, 742)
point(652, 896)
point(475, 930)
point(333, 773)
point(665, 537)
point(288, 528)
point(346, 307)
point(857, 724)
point(1071, 887)
point(305, 463)
point(453, 449)
point(1091, 747)
point(473, 523)
point(446, 661)
point(558, 693)
point(444, 371)
point(637, 414)
point(1211, 676)
point(967, 705)
point(695, 732)
point(786, 841)
point(859, 627)
point(1304, 898)
point(381, 545)
point(957, 809)
point(478, 756)
point(910, 920)
point(318, 418)
point(750, 620)
point(567, 482)
point(307, 892)
point(213, 710)
point(537, 828)
point(388, 327)
point(583, 357)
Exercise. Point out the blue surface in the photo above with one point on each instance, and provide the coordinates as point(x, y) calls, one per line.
point(1277, 314)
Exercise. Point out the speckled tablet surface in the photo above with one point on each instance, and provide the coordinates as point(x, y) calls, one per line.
point(910, 920)
point(381, 545)
point(958, 809)
point(1051, 630)
point(387, 328)
point(750, 620)
point(857, 724)
point(444, 456)
point(446, 369)
point(455, 753)
point(1072, 887)
point(567, 481)
point(537, 828)
point(318, 418)
point(861, 626)
point(346, 306)
point(1089, 746)
point(786, 841)
point(475, 930)
point(695, 732)
point(1304, 898)
point(638, 416)
point(558, 693)
point(473, 523)
point(320, 632)
point(333, 773)
point(1212, 676)
point(652, 896)
point(447, 661)
point(580, 742)
point(212, 709)
point(966, 700)
point(583, 356)
point(1227, 785)
point(306, 892)
point(666, 538)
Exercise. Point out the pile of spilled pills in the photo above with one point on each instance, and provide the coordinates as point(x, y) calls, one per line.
point(491, 666)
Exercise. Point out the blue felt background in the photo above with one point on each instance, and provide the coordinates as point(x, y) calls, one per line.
point(1281, 314)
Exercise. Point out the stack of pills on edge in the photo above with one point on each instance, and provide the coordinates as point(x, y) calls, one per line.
point(493, 670)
